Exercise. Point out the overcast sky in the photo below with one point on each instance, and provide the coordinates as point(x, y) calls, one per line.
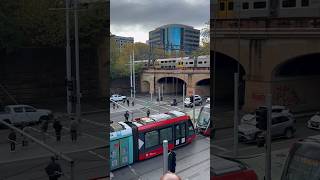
point(135, 18)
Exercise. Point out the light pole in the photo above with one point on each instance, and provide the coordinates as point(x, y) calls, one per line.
point(68, 60)
point(76, 34)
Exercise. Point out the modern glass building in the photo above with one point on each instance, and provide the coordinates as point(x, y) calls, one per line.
point(175, 37)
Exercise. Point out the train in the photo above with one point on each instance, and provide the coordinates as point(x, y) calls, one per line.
point(142, 138)
point(225, 9)
point(183, 62)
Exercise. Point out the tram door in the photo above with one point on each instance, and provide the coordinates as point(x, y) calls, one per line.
point(180, 134)
point(119, 153)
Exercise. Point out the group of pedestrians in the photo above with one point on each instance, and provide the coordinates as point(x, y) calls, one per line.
point(56, 125)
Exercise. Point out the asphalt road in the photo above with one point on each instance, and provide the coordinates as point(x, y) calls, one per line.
point(193, 160)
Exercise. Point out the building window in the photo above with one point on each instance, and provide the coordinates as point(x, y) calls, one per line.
point(304, 3)
point(260, 5)
point(222, 6)
point(245, 5)
point(288, 3)
point(230, 6)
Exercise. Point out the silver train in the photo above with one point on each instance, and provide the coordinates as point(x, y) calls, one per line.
point(183, 62)
point(264, 8)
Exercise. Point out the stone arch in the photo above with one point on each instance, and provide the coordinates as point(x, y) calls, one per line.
point(202, 87)
point(171, 84)
point(145, 87)
point(296, 82)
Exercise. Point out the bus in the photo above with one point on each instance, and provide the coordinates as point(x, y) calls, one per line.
point(303, 160)
point(147, 135)
point(204, 124)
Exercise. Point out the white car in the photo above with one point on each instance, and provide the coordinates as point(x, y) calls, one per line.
point(208, 100)
point(314, 122)
point(18, 114)
point(117, 97)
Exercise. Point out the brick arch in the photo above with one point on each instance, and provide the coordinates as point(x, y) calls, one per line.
point(182, 77)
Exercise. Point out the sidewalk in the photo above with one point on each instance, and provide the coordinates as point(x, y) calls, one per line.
point(33, 150)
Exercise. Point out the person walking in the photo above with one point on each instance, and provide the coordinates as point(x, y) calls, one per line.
point(148, 113)
point(53, 170)
point(172, 161)
point(25, 129)
point(126, 116)
point(12, 138)
point(44, 129)
point(73, 129)
point(128, 102)
point(57, 127)
point(132, 103)
point(113, 105)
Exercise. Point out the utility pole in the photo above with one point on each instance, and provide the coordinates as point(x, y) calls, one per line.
point(268, 139)
point(165, 156)
point(76, 34)
point(68, 60)
point(183, 93)
point(134, 76)
point(235, 118)
point(194, 108)
point(131, 77)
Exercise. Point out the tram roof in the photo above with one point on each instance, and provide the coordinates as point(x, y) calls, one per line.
point(159, 117)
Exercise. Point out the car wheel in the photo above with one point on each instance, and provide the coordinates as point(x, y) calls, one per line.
point(288, 133)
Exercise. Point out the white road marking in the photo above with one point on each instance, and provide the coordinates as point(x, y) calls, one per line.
point(132, 170)
point(98, 155)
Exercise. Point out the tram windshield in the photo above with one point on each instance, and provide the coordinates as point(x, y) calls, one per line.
point(204, 117)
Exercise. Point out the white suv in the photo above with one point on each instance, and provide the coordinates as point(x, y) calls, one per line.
point(117, 97)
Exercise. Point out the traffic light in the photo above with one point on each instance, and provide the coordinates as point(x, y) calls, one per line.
point(261, 118)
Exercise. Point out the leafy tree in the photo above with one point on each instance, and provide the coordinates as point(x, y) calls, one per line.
point(204, 48)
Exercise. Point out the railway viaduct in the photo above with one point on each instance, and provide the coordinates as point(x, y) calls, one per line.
point(276, 55)
point(172, 81)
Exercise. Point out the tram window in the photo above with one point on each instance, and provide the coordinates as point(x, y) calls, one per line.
point(183, 129)
point(151, 139)
point(166, 134)
point(200, 62)
point(190, 62)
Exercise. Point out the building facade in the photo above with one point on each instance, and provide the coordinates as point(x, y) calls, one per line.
point(122, 41)
point(175, 37)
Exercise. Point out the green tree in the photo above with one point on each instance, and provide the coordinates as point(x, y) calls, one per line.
point(204, 48)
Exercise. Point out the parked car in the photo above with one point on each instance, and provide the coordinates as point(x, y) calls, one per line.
point(228, 169)
point(197, 101)
point(117, 97)
point(282, 126)
point(18, 114)
point(314, 122)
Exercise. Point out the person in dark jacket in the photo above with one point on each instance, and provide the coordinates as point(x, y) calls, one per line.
point(53, 170)
point(148, 113)
point(73, 129)
point(57, 127)
point(128, 102)
point(172, 161)
point(12, 138)
point(126, 116)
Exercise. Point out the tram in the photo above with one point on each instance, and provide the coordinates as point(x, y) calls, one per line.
point(204, 123)
point(142, 138)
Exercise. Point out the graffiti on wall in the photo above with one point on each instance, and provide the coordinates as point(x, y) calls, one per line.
point(285, 95)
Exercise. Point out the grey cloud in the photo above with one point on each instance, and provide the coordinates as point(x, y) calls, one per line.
point(153, 13)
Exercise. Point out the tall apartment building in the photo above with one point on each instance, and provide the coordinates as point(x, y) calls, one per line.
point(122, 41)
point(175, 37)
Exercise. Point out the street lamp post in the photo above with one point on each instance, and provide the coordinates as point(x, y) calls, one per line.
point(76, 34)
point(68, 59)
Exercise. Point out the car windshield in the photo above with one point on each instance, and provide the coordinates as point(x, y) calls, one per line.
point(304, 164)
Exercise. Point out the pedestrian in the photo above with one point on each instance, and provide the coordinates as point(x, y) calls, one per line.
point(123, 101)
point(53, 170)
point(24, 138)
point(170, 176)
point(44, 129)
point(117, 106)
point(12, 138)
point(113, 105)
point(126, 116)
point(128, 102)
point(172, 161)
point(57, 127)
point(73, 129)
point(148, 113)
point(132, 103)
